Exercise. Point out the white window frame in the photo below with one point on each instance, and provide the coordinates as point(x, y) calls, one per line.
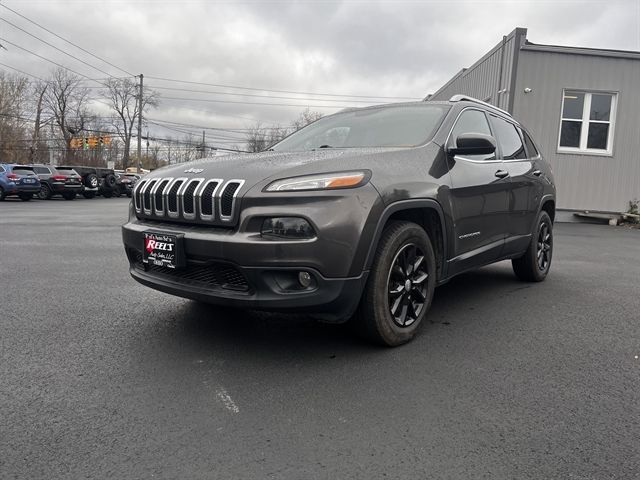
point(584, 131)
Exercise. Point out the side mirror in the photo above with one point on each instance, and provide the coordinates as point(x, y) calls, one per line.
point(473, 144)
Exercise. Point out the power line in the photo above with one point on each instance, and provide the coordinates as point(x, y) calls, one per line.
point(20, 71)
point(53, 46)
point(259, 96)
point(254, 103)
point(44, 58)
point(281, 91)
point(67, 41)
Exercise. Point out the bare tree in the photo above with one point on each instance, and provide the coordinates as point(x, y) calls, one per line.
point(38, 91)
point(256, 138)
point(13, 120)
point(122, 94)
point(306, 117)
point(66, 99)
point(259, 138)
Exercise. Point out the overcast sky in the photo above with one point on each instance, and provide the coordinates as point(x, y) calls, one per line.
point(350, 47)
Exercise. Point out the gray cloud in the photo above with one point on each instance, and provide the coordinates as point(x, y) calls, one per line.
point(390, 48)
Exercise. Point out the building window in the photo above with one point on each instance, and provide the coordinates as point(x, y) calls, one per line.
point(587, 122)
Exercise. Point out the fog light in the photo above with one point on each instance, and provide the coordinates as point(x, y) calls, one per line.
point(287, 227)
point(304, 278)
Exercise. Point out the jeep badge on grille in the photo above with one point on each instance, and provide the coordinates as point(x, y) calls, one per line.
point(194, 170)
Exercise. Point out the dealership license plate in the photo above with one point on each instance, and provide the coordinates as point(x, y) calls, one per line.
point(163, 250)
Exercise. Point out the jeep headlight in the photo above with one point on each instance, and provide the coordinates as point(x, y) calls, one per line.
point(324, 181)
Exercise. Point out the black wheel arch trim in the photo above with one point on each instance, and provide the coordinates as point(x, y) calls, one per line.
point(425, 203)
point(545, 199)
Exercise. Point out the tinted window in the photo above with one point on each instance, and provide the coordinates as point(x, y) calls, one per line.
point(472, 121)
point(531, 148)
point(1, 169)
point(23, 171)
point(397, 126)
point(41, 170)
point(509, 140)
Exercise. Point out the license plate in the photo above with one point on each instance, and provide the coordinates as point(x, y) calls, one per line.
point(163, 250)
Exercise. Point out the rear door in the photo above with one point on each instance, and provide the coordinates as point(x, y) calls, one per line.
point(479, 197)
point(523, 195)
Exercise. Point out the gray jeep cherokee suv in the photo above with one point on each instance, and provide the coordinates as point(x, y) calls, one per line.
point(360, 214)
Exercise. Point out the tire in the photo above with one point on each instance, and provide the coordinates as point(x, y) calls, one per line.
point(534, 265)
point(69, 196)
point(110, 180)
point(45, 192)
point(398, 295)
point(2, 194)
point(91, 181)
point(89, 194)
point(25, 197)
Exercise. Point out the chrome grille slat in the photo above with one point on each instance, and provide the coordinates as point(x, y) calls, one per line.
point(206, 198)
point(158, 197)
point(227, 199)
point(146, 196)
point(137, 195)
point(208, 201)
point(188, 198)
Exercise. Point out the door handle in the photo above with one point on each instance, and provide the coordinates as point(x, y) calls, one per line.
point(502, 174)
point(537, 173)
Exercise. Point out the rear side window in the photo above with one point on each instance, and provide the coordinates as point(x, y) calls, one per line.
point(2, 170)
point(509, 140)
point(472, 121)
point(23, 171)
point(531, 148)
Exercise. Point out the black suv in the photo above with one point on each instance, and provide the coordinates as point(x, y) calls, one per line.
point(66, 183)
point(360, 214)
point(96, 181)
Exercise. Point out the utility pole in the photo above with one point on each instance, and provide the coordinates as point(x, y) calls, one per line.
point(140, 122)
point(204, 154)
point(36, 128)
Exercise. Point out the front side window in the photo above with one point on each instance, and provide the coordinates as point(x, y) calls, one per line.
point(472, 121)
point(587, 122)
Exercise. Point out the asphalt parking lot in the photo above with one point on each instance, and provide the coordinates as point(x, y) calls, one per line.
point(103, 378)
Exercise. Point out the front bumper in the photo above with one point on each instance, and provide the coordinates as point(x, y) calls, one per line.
point(220, 271)
point(331, 299)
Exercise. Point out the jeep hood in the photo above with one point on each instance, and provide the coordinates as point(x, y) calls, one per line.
point(265, 167)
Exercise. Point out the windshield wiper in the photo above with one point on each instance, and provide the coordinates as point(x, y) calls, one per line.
point(321, 146)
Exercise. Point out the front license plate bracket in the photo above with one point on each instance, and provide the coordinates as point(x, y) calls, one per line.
point(163, 249)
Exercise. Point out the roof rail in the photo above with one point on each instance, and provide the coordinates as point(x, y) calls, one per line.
point(459, 98)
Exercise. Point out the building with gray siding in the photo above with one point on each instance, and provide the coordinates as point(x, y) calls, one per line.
point(582, 106)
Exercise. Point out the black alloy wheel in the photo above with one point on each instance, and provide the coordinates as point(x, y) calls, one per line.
point(534, 265)
point(407, 285)
point(45, 192)
point(400, 285)
point(543, 252)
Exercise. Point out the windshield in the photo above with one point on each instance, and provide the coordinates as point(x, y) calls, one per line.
point(396, 126)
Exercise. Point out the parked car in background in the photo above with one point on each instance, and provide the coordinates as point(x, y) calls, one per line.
point(95, 180)
point(127, 182)
point(90, 180)
point(18, 180)
point(66, 183)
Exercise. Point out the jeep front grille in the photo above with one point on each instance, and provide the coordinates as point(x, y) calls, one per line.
point(212, 202)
